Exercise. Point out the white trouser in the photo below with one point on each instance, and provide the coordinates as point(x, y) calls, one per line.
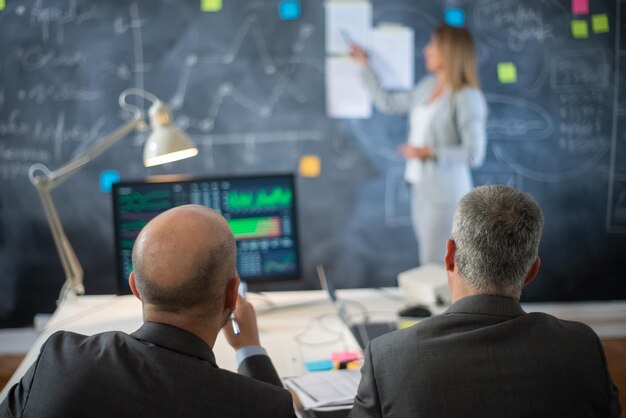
point(432, 224)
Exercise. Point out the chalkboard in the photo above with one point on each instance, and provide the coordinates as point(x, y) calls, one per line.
point(248, 86)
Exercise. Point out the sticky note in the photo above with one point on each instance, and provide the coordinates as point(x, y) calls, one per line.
point(507, 72)
point(600, 23)
point(2, 4)
point(289, 9)
point(310, 166)
point(454, 17)
point(107, 178)
point(580, 29)
point(319, 365)
point(345, 356)
point(211, 5)
point(580, 7)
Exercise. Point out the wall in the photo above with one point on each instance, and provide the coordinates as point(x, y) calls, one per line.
point(249, 88)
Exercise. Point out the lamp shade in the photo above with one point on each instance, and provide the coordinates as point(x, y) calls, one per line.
point(166, 143)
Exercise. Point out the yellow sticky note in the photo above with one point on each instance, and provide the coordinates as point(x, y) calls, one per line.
point(507, 72)
point(211, 5)
point(2, 4)
point(600, 23)
point(580, 29)
point(310, 166)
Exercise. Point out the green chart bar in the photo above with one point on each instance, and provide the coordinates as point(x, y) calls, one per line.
point(268, 227)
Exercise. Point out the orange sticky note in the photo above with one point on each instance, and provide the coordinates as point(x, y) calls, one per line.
point(310, 166)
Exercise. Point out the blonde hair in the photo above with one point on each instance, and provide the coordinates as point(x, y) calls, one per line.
point(457, 47)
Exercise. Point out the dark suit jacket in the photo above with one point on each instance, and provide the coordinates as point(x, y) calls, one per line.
point(158, 371)
point(486, 357)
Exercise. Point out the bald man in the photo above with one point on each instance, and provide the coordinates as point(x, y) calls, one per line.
point(184, 273)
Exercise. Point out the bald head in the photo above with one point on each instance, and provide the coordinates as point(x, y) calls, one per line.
point(183, 259)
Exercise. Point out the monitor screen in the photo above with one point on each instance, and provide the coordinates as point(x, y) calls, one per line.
point(261, 211)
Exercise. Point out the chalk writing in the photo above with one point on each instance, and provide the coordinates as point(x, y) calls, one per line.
point(43, 92)
point(23, 154)
point(15, 161)
point(36, 58)
point(566, 171)
point(583, 145)
point(514, 118)
point(581, 98)
point(13, 126)
point(579, 70)
point(576, 129)
point(56, 133)
point(56, 18)
point(519, 22)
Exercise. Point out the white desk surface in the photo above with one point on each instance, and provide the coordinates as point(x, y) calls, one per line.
point(286, 319)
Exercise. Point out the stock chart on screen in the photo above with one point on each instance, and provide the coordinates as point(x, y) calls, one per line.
point(261, 211)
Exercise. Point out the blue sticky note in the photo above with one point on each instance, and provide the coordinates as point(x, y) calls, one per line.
point(107, 178)
point(289, 9)
point(454, 17)
point(319, 365)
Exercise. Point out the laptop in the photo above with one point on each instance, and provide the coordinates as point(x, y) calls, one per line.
point(363, 331)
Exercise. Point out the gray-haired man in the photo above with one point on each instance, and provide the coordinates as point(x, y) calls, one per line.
point(486, 357)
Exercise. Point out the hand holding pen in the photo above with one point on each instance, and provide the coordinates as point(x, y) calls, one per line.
point(246, 323)
point(243, 287)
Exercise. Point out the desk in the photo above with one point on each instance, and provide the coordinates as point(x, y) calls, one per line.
point(282, 317)
point(285, 316)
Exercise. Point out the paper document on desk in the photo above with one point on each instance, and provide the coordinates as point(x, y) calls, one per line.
point(325, 388)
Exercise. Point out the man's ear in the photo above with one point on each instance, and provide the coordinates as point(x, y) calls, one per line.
point(450, 252)
point(532, 273)
point(133, 285)
point(231, 293)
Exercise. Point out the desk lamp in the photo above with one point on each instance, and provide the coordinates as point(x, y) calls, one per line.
point(165, 144)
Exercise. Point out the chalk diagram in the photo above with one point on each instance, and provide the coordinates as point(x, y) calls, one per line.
point(576, 132)
point(281, 70)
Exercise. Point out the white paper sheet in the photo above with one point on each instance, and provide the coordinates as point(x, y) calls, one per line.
point(325, 388)
point(392, 56)
point(347, 21)
point(346, 95)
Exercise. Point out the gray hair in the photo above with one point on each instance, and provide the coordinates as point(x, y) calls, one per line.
point(496, 230)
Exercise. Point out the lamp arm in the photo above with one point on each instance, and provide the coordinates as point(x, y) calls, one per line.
point(61, 174)
point(47, 180)
point(71, 266)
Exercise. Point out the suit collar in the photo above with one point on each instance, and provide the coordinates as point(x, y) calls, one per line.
point(487, 305)
point(175, 339)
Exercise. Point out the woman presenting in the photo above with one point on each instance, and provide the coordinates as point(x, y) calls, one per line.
point(447, 135)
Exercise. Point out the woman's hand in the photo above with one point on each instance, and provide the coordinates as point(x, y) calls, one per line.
point(423, 153)
point(359, 55)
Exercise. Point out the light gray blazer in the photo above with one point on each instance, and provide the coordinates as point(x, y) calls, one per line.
point(457, 133)
point(485, 357)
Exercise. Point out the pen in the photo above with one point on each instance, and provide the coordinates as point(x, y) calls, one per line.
point(346, 37)
point(243, 287)
point(234, 323)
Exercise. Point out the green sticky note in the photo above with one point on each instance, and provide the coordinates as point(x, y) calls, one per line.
point(2, 4)
point(211, 5)
point(600, 23)
point(507, 72)
point(580, 29)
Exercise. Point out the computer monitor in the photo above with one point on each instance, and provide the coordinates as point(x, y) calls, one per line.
point(261, 211)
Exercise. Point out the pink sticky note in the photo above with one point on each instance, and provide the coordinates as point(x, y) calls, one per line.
point(580, 7)
point(342, 356)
